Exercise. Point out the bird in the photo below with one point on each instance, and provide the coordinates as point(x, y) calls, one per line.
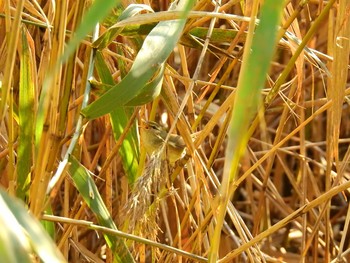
point(153, 137)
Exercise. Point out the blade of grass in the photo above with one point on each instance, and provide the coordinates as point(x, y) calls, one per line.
point(29, 228)
point(87, 188)
point(256, 61)
point(129, 150)
point(14, 246)
point(26, 116)
point(154, 52)
point(97, 11)
point(107, 37)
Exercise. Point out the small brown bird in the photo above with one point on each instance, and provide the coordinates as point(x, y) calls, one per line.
point(153, 138)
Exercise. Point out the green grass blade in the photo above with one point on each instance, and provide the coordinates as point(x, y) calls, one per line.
point(14, 246)
point(88, 190)
point(27, 229)
point(98, 10)
point(129, 150)
point(256, 61)
point(26, 117)
point(151, 90)
point(106, 38)
point(155, 50)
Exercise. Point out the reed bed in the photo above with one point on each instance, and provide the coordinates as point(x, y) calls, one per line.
point(258, 90)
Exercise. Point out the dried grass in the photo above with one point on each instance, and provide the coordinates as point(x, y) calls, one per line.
point(290, 202)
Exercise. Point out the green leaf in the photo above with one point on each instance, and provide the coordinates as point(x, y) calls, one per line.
point(154, 52)
point(257, 57)
point(49, 226)
point(151, 90)
point(88, 190)
point(107, 37)
point(255, 63)
point(26, 116)
point(98, 10)
point(129, 150)
point(23, 233)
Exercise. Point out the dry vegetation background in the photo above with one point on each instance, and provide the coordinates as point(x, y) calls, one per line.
point(290, 201)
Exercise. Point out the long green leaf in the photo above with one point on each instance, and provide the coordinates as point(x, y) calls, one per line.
point(154, 52)
point(151, 90)
point(107, 37)
point(14, 246)
point(98, 10)
point(25, 232)
point(129, 150)
point(256, 62)
point(26, 117)
point(88, 190)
